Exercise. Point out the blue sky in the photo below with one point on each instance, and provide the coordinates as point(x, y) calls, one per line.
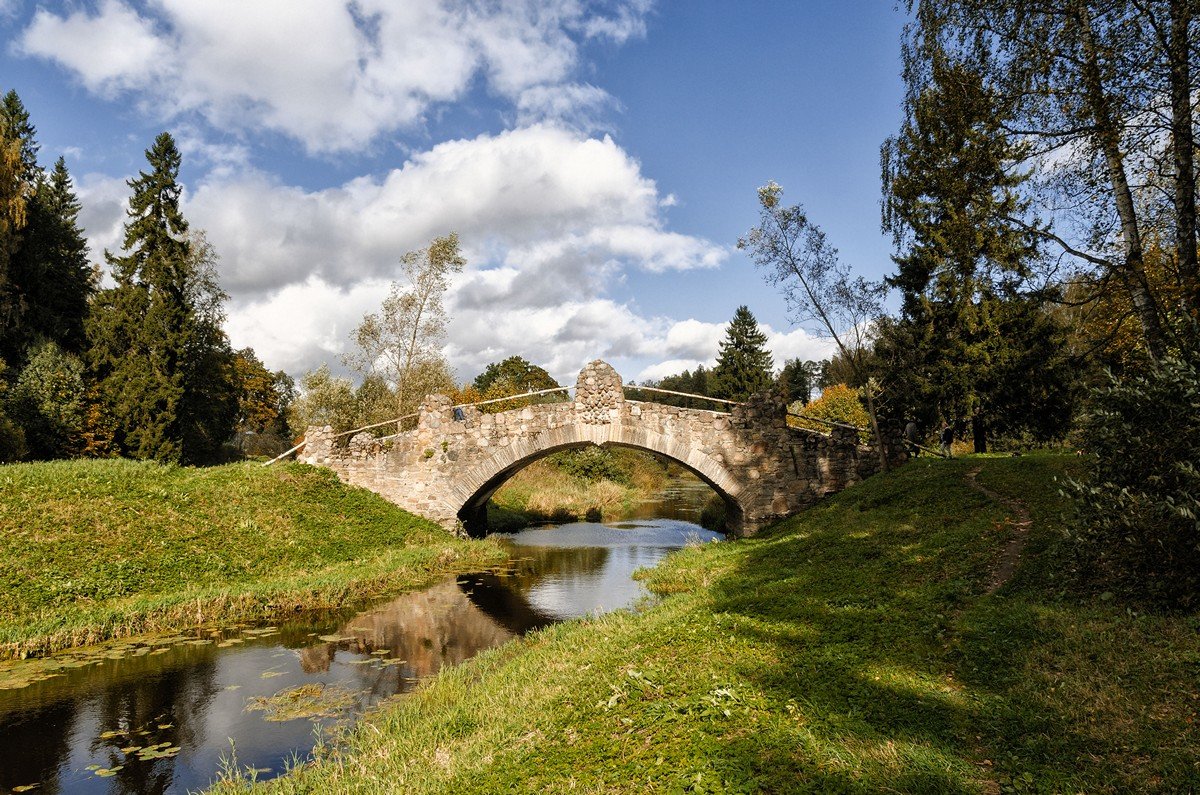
point(598, 160)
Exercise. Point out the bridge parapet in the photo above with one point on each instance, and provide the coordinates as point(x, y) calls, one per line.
point(451, 463)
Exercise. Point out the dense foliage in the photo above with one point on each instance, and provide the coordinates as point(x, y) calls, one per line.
point(971, 342)
point(837, 403)
point(142, 368)
point(513, 376)
point(1139, 505)
point(743, 363)
point(48, 402)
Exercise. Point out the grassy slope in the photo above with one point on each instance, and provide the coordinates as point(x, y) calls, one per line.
point(850, 649)
point(97, 549)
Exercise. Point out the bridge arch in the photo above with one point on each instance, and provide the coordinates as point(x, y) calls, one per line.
point(476, 484)
point(456, 457)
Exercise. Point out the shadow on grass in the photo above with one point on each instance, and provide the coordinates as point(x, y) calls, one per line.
point(900, 671)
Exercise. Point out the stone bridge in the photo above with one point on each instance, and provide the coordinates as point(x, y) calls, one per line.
point(448, 467)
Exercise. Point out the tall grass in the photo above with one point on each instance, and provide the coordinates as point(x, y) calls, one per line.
point(547, 491)
point(96, 549)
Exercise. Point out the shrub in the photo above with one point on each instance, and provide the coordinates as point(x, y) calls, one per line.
point(1138, 527)
point(591, 464)
point(47, 401)
point(12, 438)
point(838, 403)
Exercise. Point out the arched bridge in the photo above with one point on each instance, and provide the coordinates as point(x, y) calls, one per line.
point(448, 467)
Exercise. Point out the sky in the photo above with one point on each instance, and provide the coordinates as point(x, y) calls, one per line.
point(598, 160)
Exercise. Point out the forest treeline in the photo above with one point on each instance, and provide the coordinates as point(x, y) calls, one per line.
point(136, 364)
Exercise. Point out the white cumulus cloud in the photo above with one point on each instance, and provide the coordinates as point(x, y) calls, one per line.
point(549, 221)
point(333, 76)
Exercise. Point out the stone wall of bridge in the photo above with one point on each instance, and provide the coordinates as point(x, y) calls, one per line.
point(447, 468)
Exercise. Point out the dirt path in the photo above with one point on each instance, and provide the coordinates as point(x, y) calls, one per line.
point(1002, 570)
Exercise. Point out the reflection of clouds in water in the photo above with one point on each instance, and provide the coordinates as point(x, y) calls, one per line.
point(585, 568)
point(575, 594)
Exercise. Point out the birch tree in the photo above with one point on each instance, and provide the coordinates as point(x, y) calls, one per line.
point(402, 343)
point(818, 287)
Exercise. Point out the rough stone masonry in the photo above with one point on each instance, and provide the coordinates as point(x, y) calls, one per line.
point(446, 469)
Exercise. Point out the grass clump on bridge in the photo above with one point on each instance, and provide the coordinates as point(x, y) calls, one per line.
point(91, 550)
point(858, 647)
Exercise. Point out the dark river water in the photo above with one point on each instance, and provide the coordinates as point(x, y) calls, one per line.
point(167, 715)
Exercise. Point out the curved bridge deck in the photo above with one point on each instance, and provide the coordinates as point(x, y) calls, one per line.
point(448, 467)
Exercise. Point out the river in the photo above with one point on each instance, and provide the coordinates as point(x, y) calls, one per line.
point(165, 715)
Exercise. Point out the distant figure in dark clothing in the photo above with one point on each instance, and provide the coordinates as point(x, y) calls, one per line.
point(947, 440)
point(910, 436)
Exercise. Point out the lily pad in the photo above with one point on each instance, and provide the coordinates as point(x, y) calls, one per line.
point(304, 701)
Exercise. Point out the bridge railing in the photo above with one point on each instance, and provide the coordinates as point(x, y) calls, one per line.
point(520, 396)
point(398, 420)
point(690, 395)
point(828, 423)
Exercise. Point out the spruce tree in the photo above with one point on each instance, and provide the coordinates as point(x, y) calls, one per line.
point(744, 363)
point(50, 270)
point(18, 165)
point(46, 280)
point(163, 366)
point(953, 205)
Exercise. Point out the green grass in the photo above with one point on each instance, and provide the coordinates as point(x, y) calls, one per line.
point(91, 550)
point(850, 649)
point(546, 492)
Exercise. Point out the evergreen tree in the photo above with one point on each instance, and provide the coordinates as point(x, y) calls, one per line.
point(163, 366)
point(18, 164)
point(45, 281)
point(798, 379)
point(950, 201)
point(50, 273)
point(744, 363)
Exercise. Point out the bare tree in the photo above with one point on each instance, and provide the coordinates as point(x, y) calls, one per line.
point(403, 341)
point(798, 259)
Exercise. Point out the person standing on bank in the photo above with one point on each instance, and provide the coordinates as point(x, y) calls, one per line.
point(910, 436)
point(947, 440)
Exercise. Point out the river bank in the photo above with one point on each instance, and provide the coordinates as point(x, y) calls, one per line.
point(860, 646)
point(165, 714)
point(594, 484)
point(96, 550)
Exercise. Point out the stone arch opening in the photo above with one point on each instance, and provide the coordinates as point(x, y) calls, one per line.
point(473, 513)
